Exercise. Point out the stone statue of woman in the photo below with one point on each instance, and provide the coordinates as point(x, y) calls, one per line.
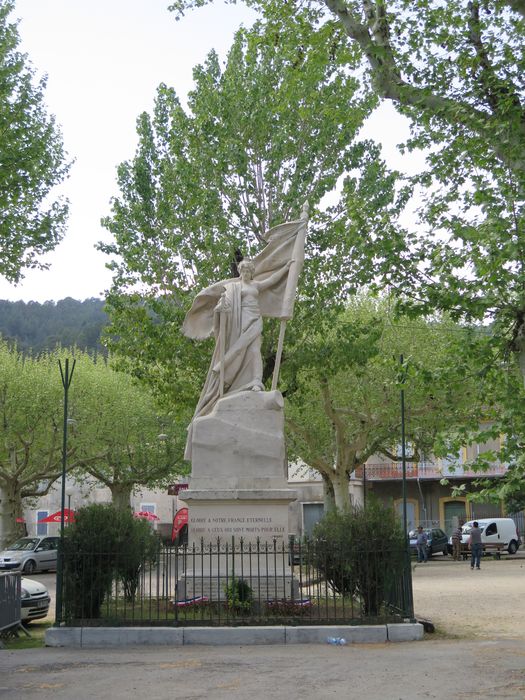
point(232, 311)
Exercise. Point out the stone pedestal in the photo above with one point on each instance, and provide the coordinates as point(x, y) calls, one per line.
point(238, 491)
point(240, 444)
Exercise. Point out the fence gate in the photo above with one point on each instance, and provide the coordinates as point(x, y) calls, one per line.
point(10, 600)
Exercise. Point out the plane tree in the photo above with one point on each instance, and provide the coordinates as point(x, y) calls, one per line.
point(273, 127)
point(31, 417)
point(117, 434)
point(32, 160)
point(342, 388)
point(124, 441)
point(456, 71)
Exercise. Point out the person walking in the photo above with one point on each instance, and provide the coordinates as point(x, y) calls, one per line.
point(475, 546)
point(456, 543)
point(421, 545)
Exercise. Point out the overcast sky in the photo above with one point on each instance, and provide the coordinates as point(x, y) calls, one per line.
point(104, 60)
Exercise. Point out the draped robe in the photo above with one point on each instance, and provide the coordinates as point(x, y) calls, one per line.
point(243, 321)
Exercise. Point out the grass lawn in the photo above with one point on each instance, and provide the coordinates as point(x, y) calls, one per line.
point(34, 641)
point(117, 611)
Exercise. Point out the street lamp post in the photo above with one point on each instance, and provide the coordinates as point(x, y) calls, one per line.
point(364, 485)
point(403, 448)
point(408, 595)
point(66, 376)
point(69, 494)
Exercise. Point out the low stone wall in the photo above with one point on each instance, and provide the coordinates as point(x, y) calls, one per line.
point(222, 636)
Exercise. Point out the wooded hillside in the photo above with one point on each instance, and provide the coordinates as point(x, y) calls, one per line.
point(36, 327)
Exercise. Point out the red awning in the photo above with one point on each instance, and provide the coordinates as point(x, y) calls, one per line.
point(69, 517)
point(180, 519)
point(146, 515)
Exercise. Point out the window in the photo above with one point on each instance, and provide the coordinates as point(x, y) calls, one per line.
point(147, 508)
point(312, 514)
point(41, 528)
point(452, 464)
point(412, 512)
point(409, 450)
point(492, 529)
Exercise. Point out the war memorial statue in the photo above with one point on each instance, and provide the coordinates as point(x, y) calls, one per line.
point(238, 486)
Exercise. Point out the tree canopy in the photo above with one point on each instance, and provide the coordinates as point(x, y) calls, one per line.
point(32, 160)
point(342, 388)
point(456, 70)
point(30, 430)
point(114, 435)
point(274, 127)
point(124, 441)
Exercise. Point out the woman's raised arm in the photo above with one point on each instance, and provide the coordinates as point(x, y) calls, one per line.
point(274, 278)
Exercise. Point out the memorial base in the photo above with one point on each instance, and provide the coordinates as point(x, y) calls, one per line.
point(238, 500)
point(246, 514)
point(239, 534)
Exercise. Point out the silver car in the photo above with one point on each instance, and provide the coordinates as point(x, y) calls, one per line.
point(30, 554)
point(35, 600)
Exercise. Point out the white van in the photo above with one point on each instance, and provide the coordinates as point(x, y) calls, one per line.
point(495, 530)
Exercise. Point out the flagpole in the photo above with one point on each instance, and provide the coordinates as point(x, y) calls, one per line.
point(278, 354)
point(222, 346)
point(297, 258)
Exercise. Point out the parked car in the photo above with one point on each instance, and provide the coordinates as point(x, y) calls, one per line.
point(30, 554)
point(494, 531)
point(437, 541)
point(35, 600)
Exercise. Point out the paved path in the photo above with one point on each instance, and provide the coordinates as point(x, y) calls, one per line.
point(491, 666)
point(443, 670)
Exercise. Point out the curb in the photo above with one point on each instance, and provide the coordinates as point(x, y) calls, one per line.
point(83, 637)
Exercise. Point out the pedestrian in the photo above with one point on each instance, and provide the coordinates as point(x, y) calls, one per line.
point(456, 543)
point(475, 545)
point(421, 545)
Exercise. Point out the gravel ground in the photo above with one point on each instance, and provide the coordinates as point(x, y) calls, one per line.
point(485, 604)
point(442, 669)
point(478, 653)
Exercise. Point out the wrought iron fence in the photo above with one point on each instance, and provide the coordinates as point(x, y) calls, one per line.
point(237, 583)
point(519, 519)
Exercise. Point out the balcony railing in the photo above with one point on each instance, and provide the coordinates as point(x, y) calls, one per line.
point(422, 470)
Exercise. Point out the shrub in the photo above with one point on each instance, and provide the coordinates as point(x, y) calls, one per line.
point(239, 595)
point(103, 545)
point(138, 545)
point(361, 553)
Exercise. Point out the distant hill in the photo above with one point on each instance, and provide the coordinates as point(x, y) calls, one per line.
point(36, 327)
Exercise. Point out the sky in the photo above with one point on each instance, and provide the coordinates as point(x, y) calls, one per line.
point(104, 60)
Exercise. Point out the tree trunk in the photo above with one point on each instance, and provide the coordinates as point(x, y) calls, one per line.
point(341, 492)
point(120, 495)
point(328, 494)
point(10, 510)
point(520, 351)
